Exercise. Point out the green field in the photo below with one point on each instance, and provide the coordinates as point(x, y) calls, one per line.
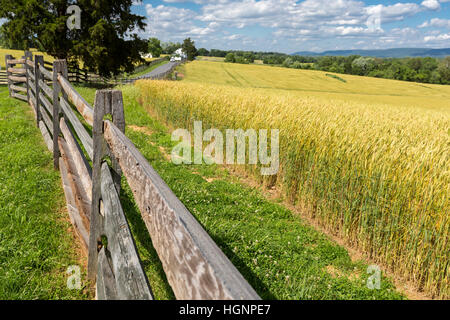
point(366, 158)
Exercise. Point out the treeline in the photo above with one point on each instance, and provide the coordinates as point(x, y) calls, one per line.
point(424, 70)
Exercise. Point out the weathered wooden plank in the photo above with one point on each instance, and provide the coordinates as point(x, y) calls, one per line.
point(96, 227)
point(47, 74)
point(47, 90)
point(83, 168)
point(17, 79)
point(46, 135)
point(48, 122)
point(71, 205)
point(32, 85)
point(17, 70)
point(82, 106)
point(38, 60)
point(81, 132)
point(59, 67)
point(15, 61)
point(31, 75)
point(106, 284)
point(131, 282)
point(82, 203)
point(18, 88)
point(8, 57)
point(19, 96)
point(47, 105)
point(33, 108)
point(195, 266)
point(29, 63)
point(33, 100)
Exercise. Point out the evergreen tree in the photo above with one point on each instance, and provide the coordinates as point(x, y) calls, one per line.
point(189, 48)
point(105, 42)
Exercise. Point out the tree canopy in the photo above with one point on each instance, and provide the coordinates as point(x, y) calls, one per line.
point(190, 49)
point(106, 42)
point(154, 47)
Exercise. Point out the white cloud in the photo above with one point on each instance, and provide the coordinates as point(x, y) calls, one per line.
point(316, 22)
point(436, 22)
point(441, 37)
point(431, 4)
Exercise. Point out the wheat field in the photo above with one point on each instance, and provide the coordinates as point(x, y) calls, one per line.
point(367, 158)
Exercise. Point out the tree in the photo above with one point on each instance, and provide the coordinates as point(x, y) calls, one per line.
point(154, 47)
point(444, 70)
point(105, 42)
point(230, 58)
point(189, 48)
point(170, 47)
point(203, 52)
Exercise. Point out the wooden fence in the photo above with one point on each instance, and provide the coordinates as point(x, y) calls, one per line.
point(75, 133)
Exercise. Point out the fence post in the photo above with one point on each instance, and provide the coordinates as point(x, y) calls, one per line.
point(96, 224)
point(38, 60)
point(8, 74)
point(118, 117)
point(106, 102)
point(28, 56)
point(59, 66)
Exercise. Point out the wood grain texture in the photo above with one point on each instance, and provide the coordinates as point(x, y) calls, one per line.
point(80, 130)
point(83, 168)
point(195, 267)
point(47, 105)
point(47, 90)
point(8, 57)
point(30, 74)
point(106, 284)
point(82, 106)
point(19, 96)
point(82, 204)
point(38, 60)
point(46, 135)
point(17, 79)
point(46, 73)
point(71, 205)
point(47, 121)
point(131, 282)
point(18, 88)
point(58, 67)
point(101, 98)
point(20, 71)
point(14, 61)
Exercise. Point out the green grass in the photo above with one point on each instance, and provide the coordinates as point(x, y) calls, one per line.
point(280, 255)
point(35, 245)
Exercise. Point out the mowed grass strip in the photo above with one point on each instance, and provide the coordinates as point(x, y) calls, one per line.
point(36, 244)
point(375, 174)
point(278, 254)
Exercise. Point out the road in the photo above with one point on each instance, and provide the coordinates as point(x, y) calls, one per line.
point(156, 73)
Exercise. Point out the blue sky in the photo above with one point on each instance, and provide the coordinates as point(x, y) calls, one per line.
point(307, 25)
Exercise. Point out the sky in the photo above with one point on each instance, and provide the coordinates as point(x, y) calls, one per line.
point(290, 26)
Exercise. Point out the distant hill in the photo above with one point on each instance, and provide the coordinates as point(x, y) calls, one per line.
point(387, 53)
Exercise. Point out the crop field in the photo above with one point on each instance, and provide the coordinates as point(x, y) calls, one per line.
point(367, 158)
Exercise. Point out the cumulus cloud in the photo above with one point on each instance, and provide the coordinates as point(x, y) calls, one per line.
point(304, 21)
point(436, 22)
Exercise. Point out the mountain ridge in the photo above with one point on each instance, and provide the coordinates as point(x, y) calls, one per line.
point(381, 53)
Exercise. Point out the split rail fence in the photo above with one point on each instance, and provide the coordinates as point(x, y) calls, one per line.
point(82, 141)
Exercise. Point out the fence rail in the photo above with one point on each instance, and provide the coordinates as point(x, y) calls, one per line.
point(195, 266)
